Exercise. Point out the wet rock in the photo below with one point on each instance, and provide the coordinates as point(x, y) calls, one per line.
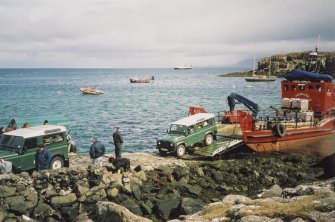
point(108, 211)
point(69, 213)
point(147, 207)
point(167, 207)
point(132, 206)
point(81, 190)
point(191, 205)
point(180, 171)
point(42, 211)
point(94, 195)
point(6, 191)
point(16, 204)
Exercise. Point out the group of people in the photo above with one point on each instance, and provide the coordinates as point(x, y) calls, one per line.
point(98, 150)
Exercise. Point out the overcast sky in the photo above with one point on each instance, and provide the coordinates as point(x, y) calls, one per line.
point(158, 33)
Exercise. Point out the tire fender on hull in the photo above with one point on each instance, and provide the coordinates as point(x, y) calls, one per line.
point(279, 130)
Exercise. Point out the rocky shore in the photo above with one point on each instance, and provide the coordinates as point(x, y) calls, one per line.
point(282, 63)
point(243, 188)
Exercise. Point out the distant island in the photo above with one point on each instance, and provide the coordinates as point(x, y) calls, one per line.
point(283, 63)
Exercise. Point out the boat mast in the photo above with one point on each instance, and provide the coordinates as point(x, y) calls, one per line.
point(253, 72)
point(317, 46)
point(269, 73)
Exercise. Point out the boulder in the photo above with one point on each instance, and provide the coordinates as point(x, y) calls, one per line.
point(326, 204)
point(180, 171)
point(66, 200)
point(6, 191)
point(94, 195)
point(16, 204)
point(42, 211)
point(274, 191)
point(167, 207)
point(191, 205)
point(112, 192)
point(132, 206)
point(253, 218)
point(69, 213)
point(147, 207)
point(235, 199)
point(109, 211)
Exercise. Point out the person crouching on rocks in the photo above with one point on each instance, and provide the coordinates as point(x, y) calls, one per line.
point(42, 158)
point(97, 151)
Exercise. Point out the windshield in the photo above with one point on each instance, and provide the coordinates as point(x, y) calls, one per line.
point(180, 129)
point(10, 142)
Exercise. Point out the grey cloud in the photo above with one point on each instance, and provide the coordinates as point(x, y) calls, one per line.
point(75, 33)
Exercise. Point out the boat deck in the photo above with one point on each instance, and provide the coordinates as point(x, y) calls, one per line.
point(222, 145)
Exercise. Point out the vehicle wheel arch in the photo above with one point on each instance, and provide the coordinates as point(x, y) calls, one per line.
point(178, 149)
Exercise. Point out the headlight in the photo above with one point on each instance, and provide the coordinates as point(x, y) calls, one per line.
point(171, 144)
point(159, 143)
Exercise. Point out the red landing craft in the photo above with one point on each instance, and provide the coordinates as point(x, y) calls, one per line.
point(305, 121)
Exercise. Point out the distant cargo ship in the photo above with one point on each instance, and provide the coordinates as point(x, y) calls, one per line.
point(183, 67)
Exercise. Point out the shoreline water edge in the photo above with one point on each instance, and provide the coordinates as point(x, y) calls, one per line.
point(248, 187)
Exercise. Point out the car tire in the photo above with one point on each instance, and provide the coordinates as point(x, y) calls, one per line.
point(57, 163)
point(208, 139)
point(180, 151)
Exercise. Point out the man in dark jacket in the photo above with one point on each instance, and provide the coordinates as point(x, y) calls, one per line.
point(42, 158)
point(118, 142)
point(97, 151)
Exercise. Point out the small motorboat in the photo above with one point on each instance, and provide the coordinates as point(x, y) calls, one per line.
point(91, 91)
point(138, 80)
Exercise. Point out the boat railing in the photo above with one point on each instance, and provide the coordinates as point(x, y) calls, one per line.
point(267, 123)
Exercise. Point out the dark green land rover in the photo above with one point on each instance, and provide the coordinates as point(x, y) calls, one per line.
point(187, 132)
point(19, 146)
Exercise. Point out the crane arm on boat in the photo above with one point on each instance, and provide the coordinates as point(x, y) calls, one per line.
point(240, 99)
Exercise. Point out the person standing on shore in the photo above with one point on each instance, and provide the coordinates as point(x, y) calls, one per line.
point(118, 142)
point(42, 158)
point(97, 150)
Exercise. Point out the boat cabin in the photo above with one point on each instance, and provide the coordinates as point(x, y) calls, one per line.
point(317, 90)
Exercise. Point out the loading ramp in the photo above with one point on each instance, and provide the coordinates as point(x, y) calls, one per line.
point(221, 146)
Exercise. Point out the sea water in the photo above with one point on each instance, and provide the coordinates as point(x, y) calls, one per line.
point(144, 111)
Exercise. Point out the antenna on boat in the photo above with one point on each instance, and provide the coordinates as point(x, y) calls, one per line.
point(317, 46)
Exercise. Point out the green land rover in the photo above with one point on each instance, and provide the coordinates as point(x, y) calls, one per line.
point(187, 132)
point(19, 146)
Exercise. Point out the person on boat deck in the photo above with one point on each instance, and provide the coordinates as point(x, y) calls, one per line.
point(42, 158)
point(25, 125)
point(97, 151)
point(45, 122)
point(118, 142)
